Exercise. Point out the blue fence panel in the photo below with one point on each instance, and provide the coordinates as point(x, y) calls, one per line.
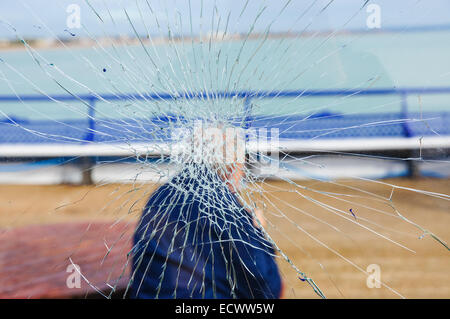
point(324, 125)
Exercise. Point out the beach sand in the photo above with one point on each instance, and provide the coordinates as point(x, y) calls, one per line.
point(331, 246)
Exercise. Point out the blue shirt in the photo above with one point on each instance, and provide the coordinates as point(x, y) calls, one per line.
point(195, 240)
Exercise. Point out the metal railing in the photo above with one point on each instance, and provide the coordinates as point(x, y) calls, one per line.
point(246, 96)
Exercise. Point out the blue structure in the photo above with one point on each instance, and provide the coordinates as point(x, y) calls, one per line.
point(320, 126)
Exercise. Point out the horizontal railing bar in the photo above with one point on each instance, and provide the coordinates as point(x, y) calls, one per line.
point(165, 148)
point(232, 94)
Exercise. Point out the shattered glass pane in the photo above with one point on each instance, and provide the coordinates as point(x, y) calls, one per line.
point(237, 149)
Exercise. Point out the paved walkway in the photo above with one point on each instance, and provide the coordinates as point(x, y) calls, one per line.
point(35, 261)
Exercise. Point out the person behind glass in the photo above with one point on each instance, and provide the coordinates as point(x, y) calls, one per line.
point(195, 239)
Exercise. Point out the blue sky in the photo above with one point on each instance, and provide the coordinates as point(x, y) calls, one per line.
point(47, 18)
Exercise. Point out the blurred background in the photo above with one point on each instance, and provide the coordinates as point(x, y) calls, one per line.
point(91, 91)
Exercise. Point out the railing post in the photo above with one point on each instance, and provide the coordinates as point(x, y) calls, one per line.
point(87, 163)
point(247, 111)
point(404, 112)
point(91, 119)
point(246, 120)
point(413, 169)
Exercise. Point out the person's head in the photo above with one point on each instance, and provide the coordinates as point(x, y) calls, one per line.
point(220, 148)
